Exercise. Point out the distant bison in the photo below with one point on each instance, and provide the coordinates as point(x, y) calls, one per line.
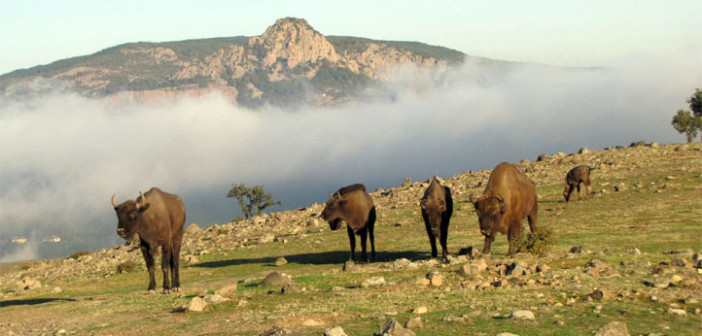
point(573, 179)
point(157, 219)
point(437, 207)
point(508, 198)
point(355, 206)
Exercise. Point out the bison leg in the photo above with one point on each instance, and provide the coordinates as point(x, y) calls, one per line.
point(175, 266)
point(364, 235)
point(588, 187)
point(515, 231)
point(569, 192)
point(370, 225)
point(166, 254)
point(149, 259)
point(532, 216)
point(444, 249)
point(352, 242)
point(432, 240)
point(489, 238)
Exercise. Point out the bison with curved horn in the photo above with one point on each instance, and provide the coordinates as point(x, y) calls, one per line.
point(508, 197)
point(437, 207)
point(355, 206)
point(156, 219)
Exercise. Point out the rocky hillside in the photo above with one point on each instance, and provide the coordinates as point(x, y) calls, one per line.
point(289, 64)
point(626, 262)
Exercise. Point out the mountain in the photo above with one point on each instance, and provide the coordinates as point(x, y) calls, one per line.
point(289, 64)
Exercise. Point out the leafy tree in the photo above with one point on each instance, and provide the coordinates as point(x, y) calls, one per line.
point(695, 102)
point(256, 197)
point(684, 122)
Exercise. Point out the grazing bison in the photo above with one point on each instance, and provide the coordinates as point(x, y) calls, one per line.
point(355, 206)
point(508, 198)
point(577, 175)
point(157, 219)
point(437, 207)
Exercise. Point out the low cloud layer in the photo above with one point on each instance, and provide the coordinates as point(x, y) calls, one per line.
point(63, 156)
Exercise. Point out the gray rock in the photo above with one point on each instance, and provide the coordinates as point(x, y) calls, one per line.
point(679, 261)
point(373, 282)
point(677, 312)
point(522, 315)
point(336, 331)
point(349, 266)
point(414, 323)
point(613, 329)
point(278, 331)
point(393, 328)
point(281, 261)
point(275, 279)
point(228, 290)
point(198, 304)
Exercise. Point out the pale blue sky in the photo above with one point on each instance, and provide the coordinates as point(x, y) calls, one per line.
point(566, 33)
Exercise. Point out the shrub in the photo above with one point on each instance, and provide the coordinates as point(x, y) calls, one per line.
point(126, 267)
point(538, 243)
point(80, 254)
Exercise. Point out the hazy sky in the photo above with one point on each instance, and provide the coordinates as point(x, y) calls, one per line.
point(566, 33)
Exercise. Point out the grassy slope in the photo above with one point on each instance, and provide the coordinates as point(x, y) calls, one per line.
point(662, 213)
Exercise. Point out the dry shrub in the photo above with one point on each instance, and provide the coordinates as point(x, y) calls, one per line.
point(80, 254)
point(126, 267)
point(538, 243)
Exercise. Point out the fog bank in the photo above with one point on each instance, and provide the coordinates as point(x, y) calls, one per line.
point(63, 156)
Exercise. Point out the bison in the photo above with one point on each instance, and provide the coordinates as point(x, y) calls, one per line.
point(157, 219)
point(508, 197)
point(355, 206)
point(573, 179)
point(437, 207)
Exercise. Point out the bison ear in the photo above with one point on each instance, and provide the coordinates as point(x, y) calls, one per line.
point(423, 204)
point(343, 202)
point(144, 207)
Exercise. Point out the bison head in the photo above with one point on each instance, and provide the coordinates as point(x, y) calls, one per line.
point(129, 215)
point(333, 211)
point(490, 210)
point(434, 210)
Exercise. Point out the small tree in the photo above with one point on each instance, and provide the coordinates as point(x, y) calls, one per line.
point(695, 102)
point(256, 197)
point(684, 122)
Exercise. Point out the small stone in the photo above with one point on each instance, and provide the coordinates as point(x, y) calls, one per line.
point(435, 279)
point(242, 303)
point(576, 249)
point(336, 331)
point(679, 262)
point(56, 290)
point(634, 251)
point(522, 315)
point(583, 150)
point(414, 323)
point(613, 329)
point(393, 328)
point(192, 229)
point(451, 318)
point(677, 312)
point(507, 334)
point(275, 279)
point(600, 294)
point(349, 266)
point(420, 310)
point(422, 281)
point(198, 304)
point(289, 288)
point(215, 299)
point(373, 282)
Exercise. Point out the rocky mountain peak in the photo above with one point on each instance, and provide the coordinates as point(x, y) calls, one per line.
point(294, 41)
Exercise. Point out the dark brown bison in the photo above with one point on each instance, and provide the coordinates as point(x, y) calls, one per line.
point(355, 206)
point(437, 207)
point(573, 179)
point(509, 197)
point(156, 219)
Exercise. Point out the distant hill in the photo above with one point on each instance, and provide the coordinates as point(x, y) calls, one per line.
point(289, 64)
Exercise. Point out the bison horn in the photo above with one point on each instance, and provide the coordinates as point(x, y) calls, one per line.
point(330, 195)
point(114, 204)
point(143, 200)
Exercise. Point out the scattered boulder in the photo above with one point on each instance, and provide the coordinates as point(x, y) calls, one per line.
point(522, 315)
point(373, 282)
point(543, 157)
point(280, 261)
point(679, 262)
point(470, 251)
point(576, 250)
point(275, 279)
point(349, 266)
point(583, 150)
point(393, 328)
point(28, 283)
point(336, 331)
point(613, 329)
point(601, 294)
point(406, 182)
point(420, 310)
point(266, 238)
point(637, 144)
point(312, 323)
point(228, 290)
point(677, 311)
point(414, 323)
point(198, 304)
point(435, 279)
point(278, 331)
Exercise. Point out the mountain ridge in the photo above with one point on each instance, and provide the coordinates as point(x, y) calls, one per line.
point(289, 64)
